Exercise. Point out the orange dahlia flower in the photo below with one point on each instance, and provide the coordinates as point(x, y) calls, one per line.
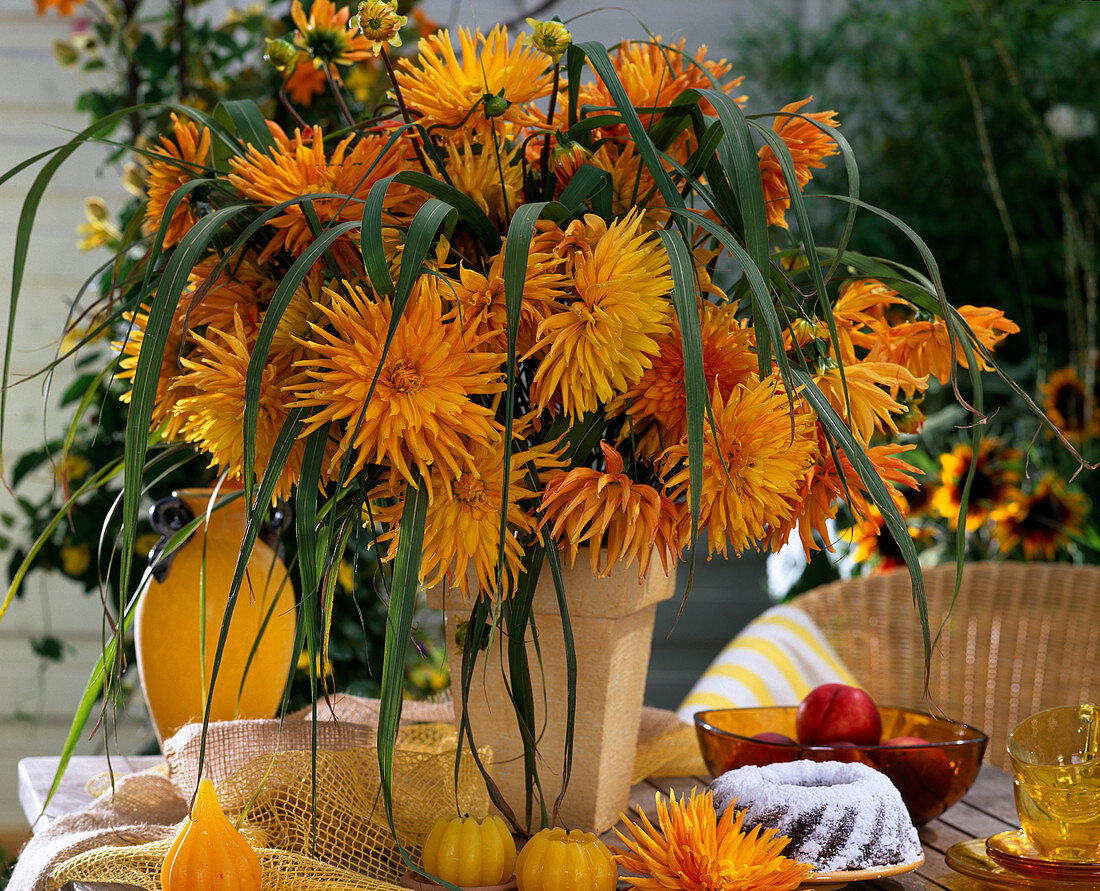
point(609, 510)
point(808, 145)
point(691, 849)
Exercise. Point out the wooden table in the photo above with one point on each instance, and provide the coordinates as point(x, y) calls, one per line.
point(987, 809)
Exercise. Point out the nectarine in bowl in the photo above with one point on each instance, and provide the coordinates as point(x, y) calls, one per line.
point(933, 761)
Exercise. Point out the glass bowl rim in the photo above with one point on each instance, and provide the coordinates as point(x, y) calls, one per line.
point(980, 736)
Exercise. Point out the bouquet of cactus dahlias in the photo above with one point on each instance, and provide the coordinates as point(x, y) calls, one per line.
point(544, 298)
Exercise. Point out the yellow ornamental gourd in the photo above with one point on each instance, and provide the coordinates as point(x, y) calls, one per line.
point(556, 860)
point(469, 852)
point(208, 853)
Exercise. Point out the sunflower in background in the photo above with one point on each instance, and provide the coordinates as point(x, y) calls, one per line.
point(1041, 523)
point(993, 486)
point(1070, 405)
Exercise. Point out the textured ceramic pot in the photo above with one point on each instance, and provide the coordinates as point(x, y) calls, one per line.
point(612, 620)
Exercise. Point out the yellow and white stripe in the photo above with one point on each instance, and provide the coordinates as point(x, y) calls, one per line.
point(776, 660)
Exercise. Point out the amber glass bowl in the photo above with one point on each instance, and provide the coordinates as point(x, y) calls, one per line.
point(930, 777)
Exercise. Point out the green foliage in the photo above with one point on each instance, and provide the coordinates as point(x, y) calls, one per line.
point(976, 122)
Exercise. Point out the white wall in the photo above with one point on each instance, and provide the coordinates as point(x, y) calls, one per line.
point(37, 699)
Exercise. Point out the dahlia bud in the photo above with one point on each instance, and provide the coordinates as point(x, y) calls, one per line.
point(66, 53)
point(496, 105)
point(281, 54)
point(552, 38)
point(567, 158)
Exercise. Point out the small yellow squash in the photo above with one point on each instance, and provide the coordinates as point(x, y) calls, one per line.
point(556, 860)
point(469, 852)
point(209, 854)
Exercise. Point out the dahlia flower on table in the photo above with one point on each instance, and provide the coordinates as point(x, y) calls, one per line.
point(543, 295)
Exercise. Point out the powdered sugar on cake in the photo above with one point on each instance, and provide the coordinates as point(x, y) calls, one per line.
point(839, 816)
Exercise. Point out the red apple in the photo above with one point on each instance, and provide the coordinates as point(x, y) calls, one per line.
point(775, 747)
point(833, 713)
point(922, 775)
point(838, 751)
point(905, 741)
point(777, 738)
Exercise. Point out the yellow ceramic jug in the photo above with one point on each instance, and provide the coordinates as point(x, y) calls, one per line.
point(175, 667)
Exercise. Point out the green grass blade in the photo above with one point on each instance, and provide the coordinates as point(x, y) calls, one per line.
point(599, 59)
point(876, 488)
point(516, 250)
point(518, 620)
point(764, 312)
point(147, 373)
point(258, 360)
point(684, 300)
point(738, 156)
point(25, 227)
point(248, 123)
point(553, 561)
point(399, 618)
point(257, 508)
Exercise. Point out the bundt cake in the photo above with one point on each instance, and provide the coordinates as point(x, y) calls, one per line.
point(838, 815)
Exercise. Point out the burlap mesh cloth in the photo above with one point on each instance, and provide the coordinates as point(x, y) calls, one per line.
point(263, 769)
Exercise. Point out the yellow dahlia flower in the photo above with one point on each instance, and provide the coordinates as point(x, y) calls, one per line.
point(301, 167)
point(451, 89)
point(462, 527)
point(657, 403)
point(551, 38)
point(324, 35)
point(601, 342)
point(808, 145)
point(173, 163)
point(479, 300)
point(753, 470)
point(924, 347)
point(869, 389)
point(212, 411)
point(379, 23)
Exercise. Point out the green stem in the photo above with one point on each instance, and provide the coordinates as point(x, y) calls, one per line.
point(338, 95)
point(285, 100)
point(392, 75)
point(544, 169)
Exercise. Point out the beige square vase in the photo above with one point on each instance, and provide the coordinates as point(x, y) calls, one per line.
point(612, 620)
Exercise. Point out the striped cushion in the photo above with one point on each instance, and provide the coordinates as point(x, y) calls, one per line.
point(776, 660)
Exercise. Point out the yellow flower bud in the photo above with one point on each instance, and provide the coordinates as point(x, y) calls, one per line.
point(281, 54)
point(552, 38)
point(66, 53)
point(74, 467)
point(133, 180)
point(566, 158)
point(98, 231)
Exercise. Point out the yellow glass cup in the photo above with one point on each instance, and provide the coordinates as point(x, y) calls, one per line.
point(1056, 761)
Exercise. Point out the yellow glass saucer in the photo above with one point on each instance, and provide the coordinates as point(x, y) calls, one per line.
point(1014, 850)
point(971, 859)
